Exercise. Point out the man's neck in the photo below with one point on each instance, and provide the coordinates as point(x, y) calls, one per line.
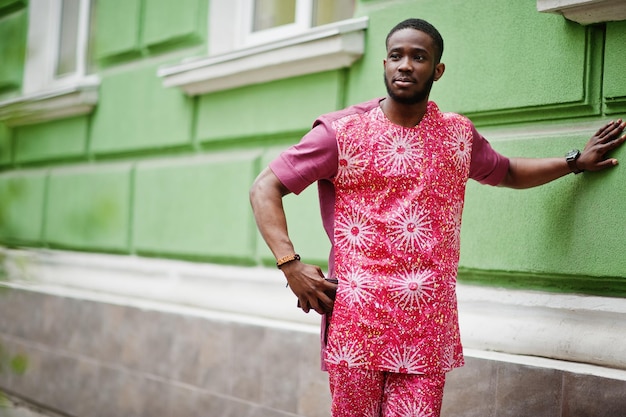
point(407, 115)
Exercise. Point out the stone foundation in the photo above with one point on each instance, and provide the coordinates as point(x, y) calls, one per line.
point(95, 358)
point(124, 336)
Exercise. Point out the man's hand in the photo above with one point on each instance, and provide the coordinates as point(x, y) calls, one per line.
point(308, 284)
point(607, 138)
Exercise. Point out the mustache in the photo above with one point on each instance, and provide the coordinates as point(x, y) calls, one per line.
point(404, 78)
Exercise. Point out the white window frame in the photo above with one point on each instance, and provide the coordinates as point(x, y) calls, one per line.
point(234, 59)
point(46, 96)
point(304, 14)
point(44, 28)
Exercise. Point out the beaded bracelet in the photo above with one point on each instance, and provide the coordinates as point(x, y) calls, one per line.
point(286, 259)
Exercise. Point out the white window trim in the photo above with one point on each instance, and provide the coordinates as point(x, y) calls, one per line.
point(64, 102)
point(44, 96)
point(585, 11)
point(323, 48)
point(303, 18)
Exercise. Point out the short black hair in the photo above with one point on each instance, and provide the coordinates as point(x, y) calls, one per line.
point(422, 26)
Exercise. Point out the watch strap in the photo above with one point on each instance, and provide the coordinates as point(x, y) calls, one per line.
point(571, 157)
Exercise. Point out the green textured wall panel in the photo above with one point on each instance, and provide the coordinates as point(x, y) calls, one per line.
point(574, 226)
point(21, 207)
point(117, 28)
point(487, 73)
point(615, 64)
point(304, 222)
point(13, 30)
point(60, 139)
point(196, 208)
point(504, 60)
point(172, 22)
point(136, 113)
point(365, 79)
point(6, 145)
point(89, 208)
point(271, 108)
point(305, 227)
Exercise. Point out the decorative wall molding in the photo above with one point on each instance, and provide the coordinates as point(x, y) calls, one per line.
point(615, 105)
point(576, 328)
point(324, 48)
point(585, 11)
point(567, 327)
point(587, 105)
point(70, 101)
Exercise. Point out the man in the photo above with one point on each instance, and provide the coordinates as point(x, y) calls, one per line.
point(391, 174)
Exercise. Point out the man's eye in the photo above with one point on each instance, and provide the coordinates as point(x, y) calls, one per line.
point(420, 57)
point(394, 56)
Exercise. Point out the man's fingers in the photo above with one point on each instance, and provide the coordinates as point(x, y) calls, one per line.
point(313, 290)
point(617, 142)
point(322, 303)
point(327, 303)
point(318, 306)
point(612, 131)
point(605, 129)
point(607, 163)
point(304, 304)
point(312, 302)
point(611, 144)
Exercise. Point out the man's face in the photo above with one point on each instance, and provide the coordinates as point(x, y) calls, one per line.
point(410, 67)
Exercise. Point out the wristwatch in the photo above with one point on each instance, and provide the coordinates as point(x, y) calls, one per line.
point(571, 158)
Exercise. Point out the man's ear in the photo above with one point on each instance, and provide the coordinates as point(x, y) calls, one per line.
point(440, 68)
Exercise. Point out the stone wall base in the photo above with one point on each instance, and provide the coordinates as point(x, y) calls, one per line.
point(99, 356)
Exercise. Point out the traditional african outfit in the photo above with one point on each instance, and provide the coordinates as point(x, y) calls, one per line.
point(391, 199)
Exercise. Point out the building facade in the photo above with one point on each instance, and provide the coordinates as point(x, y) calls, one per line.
point(131, 130)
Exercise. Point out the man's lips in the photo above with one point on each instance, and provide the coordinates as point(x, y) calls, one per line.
point(403, 81)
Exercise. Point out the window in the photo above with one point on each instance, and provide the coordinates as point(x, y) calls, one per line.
point(67, 60)
point(268, 20)
point(255, 41)
point(55, 82)
point(58, 33)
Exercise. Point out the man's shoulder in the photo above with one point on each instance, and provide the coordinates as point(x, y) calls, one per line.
point(351, 110)
point(450, 117)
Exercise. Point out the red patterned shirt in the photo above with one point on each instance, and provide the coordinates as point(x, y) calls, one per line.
point(397, 197)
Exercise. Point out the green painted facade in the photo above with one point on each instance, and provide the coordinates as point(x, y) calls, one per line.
point(154, 172)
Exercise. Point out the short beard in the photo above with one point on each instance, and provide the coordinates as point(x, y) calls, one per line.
point(418, 97)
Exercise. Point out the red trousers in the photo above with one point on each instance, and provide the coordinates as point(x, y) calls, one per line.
point(358, 392)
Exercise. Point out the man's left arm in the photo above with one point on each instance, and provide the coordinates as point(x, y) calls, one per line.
point(531, 172)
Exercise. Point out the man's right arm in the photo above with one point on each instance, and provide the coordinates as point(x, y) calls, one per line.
point(306, 281)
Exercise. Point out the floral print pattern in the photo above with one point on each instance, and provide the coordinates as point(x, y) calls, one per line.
point(399, 199)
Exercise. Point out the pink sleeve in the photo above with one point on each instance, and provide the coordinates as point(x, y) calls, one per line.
point(487, 166)
point(314, 158)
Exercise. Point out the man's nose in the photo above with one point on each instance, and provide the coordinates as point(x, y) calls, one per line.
point(405, 64)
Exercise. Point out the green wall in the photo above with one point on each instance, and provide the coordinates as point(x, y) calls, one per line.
point(13, 31)
point(157, 173)
point(130, 29)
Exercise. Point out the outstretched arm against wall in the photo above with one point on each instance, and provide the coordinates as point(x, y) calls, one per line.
point(532, 172)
